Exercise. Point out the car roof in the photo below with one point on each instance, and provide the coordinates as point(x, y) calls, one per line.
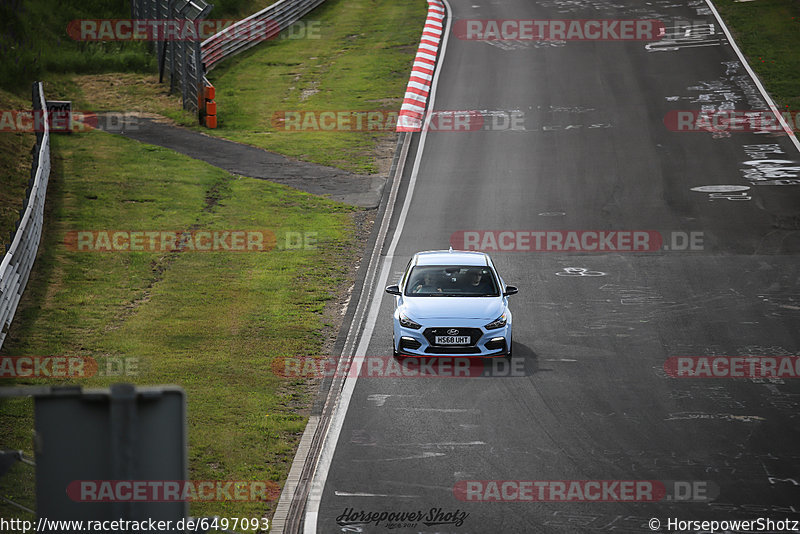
point(451, 257)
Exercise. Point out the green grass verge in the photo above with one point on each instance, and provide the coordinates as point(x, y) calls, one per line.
point(768, 32)
point(209, 322)
point(361, 61)
point(35, 42)
point(15, 169)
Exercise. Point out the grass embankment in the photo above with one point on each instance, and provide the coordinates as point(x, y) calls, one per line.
point(35, 42)
point(210, 322)
point(361, 61)
point(768, 32)
point(15, 169)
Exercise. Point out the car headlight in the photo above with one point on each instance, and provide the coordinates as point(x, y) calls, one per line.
point(500, 322)
point(405, 322)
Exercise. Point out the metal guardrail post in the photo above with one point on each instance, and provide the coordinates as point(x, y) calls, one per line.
point(159, 44)
point(198, 78)
point(171, 63)
point(184, 59)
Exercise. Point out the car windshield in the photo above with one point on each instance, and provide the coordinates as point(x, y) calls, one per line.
point(451, 281)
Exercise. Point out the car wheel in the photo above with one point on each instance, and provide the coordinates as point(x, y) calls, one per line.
point(397, 355)
point(509, 354)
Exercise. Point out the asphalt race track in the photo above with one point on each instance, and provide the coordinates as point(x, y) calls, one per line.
point(590, 398)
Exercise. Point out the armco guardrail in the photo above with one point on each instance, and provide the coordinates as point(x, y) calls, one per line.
point(15, 268)
point(273, 19)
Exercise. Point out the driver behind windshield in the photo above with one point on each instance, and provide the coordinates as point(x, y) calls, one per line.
point(426, 285)
point(479, 283)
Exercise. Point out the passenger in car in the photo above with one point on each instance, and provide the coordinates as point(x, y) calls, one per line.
point(426, 285)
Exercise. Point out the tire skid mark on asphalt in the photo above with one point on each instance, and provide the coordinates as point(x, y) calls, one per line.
point(699, 416)
point(423, 456)
point(362, 494)
point(442, 410)
point(443, 444)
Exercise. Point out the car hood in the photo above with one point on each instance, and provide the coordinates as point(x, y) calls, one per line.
point(488, 308)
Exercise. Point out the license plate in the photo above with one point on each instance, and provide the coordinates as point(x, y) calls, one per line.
point(452, 340)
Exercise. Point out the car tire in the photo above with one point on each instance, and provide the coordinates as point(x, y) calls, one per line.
point(509, 354)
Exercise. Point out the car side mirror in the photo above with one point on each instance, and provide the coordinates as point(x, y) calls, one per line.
point(393, 290)
point(510, 290)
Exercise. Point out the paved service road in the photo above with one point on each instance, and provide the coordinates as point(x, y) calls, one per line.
point(592, 400)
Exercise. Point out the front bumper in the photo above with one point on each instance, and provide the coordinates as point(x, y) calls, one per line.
point(422, 342)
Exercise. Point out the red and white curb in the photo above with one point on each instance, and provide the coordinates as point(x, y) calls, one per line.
point(419, 84)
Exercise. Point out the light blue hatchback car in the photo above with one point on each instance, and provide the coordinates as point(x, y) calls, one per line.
point(451, 303)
